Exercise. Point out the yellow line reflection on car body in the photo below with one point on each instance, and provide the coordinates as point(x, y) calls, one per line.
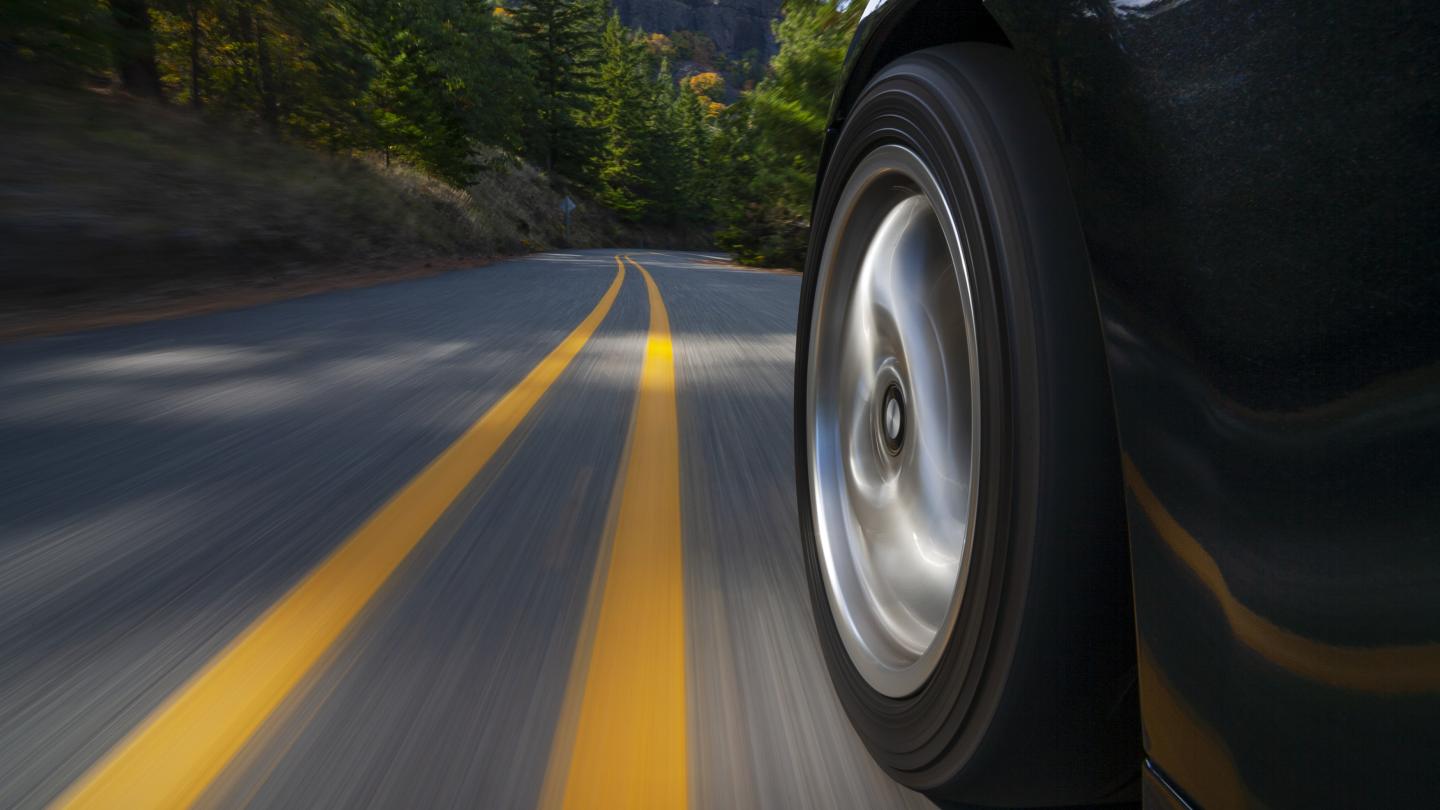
point(1394, 669)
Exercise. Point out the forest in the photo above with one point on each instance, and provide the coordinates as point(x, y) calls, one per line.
point(456, 98)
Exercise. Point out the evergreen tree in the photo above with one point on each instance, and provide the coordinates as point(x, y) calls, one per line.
point(292, 65)
point(435, 82)
point(446, 79)
point(695, 140)
point(775, 136)
point(663, 159)
point(561, 40)
point(62, 40)
point(652, 132)
point(618, 116)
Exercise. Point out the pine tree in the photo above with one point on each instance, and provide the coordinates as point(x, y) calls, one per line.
point(660, 144)
point(774, 136)
point(434, 83)
point(561, 40)
point(617, 164)
point(694, 142)
point(655, 133)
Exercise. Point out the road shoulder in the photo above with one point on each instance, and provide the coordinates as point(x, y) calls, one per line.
point(26, 316)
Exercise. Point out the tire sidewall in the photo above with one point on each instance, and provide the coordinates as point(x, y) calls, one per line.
point(940, 736)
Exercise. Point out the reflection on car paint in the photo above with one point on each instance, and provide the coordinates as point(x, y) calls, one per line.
point(1384, 669)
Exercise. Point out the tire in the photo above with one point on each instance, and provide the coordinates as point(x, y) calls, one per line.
point(1024, 693)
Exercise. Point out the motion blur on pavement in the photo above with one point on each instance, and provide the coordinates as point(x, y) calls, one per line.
point(167, 484)
point(359, 444)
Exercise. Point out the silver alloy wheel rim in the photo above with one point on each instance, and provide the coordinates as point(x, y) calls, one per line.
point(893, 322)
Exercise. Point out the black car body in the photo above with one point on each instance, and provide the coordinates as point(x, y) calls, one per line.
point(1259, 187)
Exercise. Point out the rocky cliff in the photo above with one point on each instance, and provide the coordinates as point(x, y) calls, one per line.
point(735, 26)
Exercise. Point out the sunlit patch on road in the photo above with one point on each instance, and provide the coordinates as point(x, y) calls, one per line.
point(172, 757)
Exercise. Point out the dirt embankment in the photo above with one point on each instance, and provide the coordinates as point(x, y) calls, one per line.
point(111, 208)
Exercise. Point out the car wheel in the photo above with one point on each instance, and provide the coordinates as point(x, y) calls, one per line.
point(958, 472)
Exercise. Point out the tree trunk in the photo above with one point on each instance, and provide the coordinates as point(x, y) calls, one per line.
point(269, 107)
point(246, 26)
point(134, 48)
point(195, 53)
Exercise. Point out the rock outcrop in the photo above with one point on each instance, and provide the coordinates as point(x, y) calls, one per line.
point(736, 26)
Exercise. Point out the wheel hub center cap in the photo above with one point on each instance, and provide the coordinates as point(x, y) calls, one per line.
point(892, 420)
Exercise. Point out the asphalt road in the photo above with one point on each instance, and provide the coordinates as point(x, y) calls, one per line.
point(428, 544)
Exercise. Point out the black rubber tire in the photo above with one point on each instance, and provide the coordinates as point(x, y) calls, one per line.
point(1033, 702)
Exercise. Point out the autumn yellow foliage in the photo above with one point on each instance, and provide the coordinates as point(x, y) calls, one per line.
point(660, 45)
point(707, 84)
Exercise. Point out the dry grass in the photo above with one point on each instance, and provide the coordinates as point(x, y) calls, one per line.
point(99, 192)
point(94, 189)
point(526, 207)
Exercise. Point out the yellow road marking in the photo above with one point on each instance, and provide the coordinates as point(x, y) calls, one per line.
point(170, 758)
point(1186, 746)
point(629, 747)
point(1396, 669)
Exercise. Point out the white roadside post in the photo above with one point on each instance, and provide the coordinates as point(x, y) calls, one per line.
point(566, 206)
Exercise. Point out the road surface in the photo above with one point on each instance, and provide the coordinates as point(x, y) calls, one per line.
point(516, 536)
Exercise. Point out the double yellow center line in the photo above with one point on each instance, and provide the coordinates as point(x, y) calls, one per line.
point(630, 745)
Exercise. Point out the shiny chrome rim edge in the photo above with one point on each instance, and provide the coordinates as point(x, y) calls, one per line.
point(893, 419)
